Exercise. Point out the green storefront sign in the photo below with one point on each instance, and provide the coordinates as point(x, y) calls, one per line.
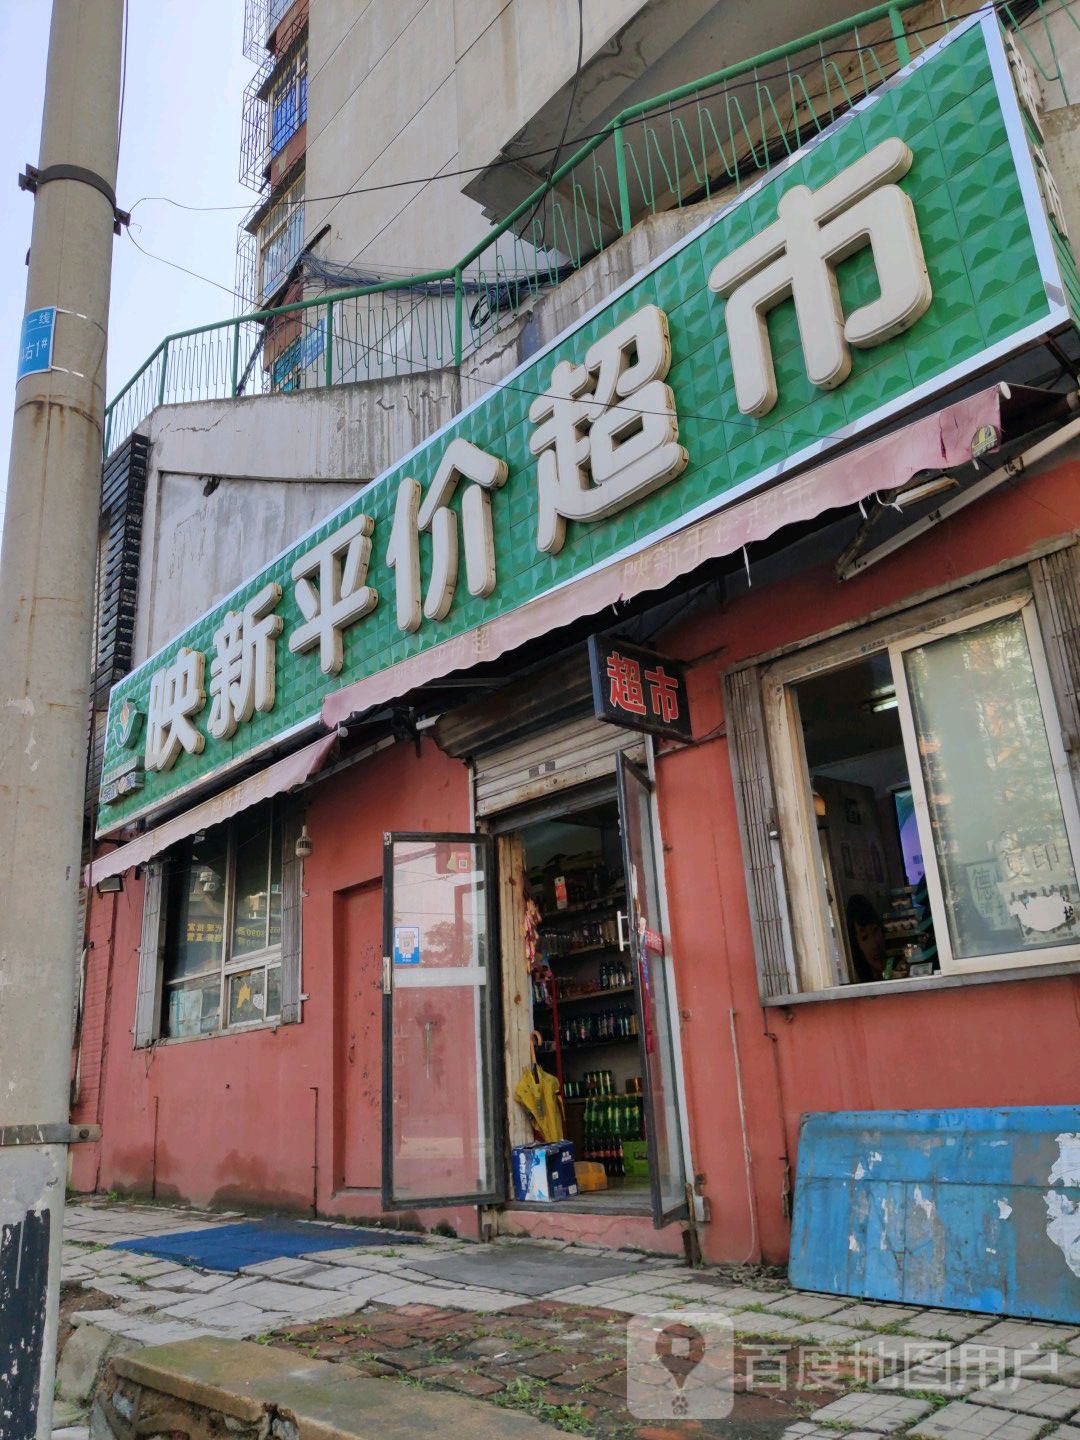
point(915, 242)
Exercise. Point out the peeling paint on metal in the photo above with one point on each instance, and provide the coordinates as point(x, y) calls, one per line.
point(966, 1209)
point(1063, 1212)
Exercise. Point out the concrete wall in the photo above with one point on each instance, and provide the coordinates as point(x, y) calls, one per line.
point(233, 482)
point(417, 88)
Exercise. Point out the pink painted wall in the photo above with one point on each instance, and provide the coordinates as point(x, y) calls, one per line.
point(981, 1045)
point(235, 1116)
point(232, 1119)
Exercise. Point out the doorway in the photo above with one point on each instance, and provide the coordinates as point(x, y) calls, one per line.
point(573, 954)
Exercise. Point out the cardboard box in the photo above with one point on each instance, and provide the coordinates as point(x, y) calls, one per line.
point(544, 1172)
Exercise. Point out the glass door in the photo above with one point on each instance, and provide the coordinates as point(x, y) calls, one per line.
point(662, 1131)
point(441, 1071)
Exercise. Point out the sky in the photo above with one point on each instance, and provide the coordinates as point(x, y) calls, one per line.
point(186, 74)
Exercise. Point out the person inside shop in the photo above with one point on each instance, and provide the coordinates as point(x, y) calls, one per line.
point(866, 940)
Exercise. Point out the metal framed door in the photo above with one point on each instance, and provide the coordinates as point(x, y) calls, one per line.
point(667, 1169)
point(442, 1068)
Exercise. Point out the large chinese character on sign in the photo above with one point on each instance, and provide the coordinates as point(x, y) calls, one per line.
point(342, 595)
point(638, 689)
point(796, 255)
point(243, 668)
point(176, 697)
point(481, 473)
point(607, 433)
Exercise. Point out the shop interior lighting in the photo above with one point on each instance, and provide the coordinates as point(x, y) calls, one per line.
point(923, 492)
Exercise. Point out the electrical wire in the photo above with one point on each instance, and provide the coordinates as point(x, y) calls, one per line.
point(183, 268)
point(541, 199)
point(123, 77)
point(754, 82)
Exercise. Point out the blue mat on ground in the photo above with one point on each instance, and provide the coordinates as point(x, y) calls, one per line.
point(230, 1247)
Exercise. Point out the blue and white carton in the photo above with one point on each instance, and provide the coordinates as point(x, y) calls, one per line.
point(544, 1172)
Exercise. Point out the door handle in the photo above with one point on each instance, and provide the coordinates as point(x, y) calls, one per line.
point(624, 940)
point(386, 972)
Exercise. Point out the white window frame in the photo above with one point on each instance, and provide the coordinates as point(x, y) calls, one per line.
point(285, 211)
point(267, 958)
point(818, 964)
point(292, 72)
point(1008, 960)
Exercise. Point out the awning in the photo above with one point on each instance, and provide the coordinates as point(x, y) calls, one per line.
point(936, 442)
point(276, 779)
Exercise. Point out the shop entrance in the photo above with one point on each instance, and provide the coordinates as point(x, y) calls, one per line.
point(597, 1012)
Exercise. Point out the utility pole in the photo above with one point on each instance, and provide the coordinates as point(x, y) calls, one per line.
point(46, 614)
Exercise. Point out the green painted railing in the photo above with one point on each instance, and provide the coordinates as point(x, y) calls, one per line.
point(710, 137)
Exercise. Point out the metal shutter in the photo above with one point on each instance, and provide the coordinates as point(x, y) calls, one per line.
point(755, 802)
point(546, 761)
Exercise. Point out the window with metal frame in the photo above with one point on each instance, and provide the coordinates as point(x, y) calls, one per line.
point(904, 793)
point(287, 109)
point(281, 238)
point(222, 927)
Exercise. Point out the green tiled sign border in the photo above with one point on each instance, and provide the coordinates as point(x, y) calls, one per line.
point(1001, 279)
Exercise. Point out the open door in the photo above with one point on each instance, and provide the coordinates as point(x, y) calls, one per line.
point(662, 1132)
point(441, 1071)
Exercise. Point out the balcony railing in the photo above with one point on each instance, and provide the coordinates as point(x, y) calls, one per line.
point(710, 137)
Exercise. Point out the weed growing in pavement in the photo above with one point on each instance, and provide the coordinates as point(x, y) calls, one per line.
point(525, 1392)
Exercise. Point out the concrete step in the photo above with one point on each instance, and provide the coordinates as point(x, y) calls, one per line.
point(181, 1386)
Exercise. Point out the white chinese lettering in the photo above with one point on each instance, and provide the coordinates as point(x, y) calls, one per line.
point(462, 461)
point(176, 694)
point(1050, 193)
point(243, 668)
point(340, 565)
point(607, 430)
point(1027, 87)
point(794, 256)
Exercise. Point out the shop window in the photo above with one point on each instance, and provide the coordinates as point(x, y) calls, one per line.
point(906, 800)
point(220, 931)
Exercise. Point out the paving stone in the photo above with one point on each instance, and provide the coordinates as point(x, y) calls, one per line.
point(961, 1421)
point(1063, 1432)
point(807, 1307)
point(739, 1297)
point(947, 1324)
point(751, 1322)
point(336, 1277)
point(955, 1371)
point(1031, 1397)
point(1053, 1365)
point(486, 1301)
point(805, 1430)
point(825, 1332)
point(881, 1355)
point(867, 1411)
point(871, 1316)
point(1027, 1334)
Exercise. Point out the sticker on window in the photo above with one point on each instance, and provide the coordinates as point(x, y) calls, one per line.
point(406, 945)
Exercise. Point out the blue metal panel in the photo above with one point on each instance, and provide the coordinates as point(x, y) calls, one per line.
point(963, 1209)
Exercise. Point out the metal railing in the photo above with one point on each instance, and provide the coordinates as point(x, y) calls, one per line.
point(710, 137)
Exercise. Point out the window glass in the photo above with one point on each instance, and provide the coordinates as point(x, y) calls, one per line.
point(252, 895)
point(1007, 873)
point(196, 907)
point(223, 927)
point(247, 997)
point(195, 1006)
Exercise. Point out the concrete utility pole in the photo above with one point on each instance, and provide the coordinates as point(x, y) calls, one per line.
point(46, 614)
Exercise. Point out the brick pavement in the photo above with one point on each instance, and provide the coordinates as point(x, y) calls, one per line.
point(802, 1367)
